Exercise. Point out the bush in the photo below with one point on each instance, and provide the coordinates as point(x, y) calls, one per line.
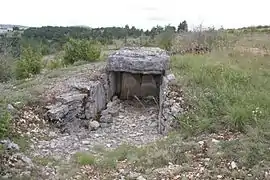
point(164, 40)
point(5, 68)
point(4, 120)
point(81, 50)
point(55, 64)
point(28, 64)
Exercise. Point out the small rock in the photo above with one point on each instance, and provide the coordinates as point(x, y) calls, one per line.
point(94, 125)
point(215, 141)
point(26, 174)
point(141, 178)
point(106, 118)
point(27, 160)
point(171, 78)
point(133, 175)
point(115, 98)
point(105, 125)
point(154, 124)
point(52, 134)
point(219, 176)
point(114, 112)
point(11, 108)
point(201, 143)
point(10, 145)
point(108, 145)
point(121, 171)
point(85, 142)
point(175, 109)
point(110, 104)
point(5, 177)
point(233, 165)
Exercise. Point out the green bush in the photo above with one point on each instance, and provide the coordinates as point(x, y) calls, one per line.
point(165, 39)
point(5, 68)
point(4, 121)
point(81, 50)
point(29, 63)
point(55, 64)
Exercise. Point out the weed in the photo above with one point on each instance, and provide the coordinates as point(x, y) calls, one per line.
point(85, 158)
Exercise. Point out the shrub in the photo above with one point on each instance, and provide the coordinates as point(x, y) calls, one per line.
point(5, 68)
point(4, 120)
point(164, 40)
point(28, 64)
point(81, 50)
point(55, 64)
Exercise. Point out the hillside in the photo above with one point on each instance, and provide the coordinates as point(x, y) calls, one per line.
point(220, 95)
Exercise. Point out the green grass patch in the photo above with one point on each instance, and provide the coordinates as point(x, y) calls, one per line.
point(83, 158)
point(225, 93)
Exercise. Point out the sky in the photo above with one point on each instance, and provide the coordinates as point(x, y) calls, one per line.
point(141, 13)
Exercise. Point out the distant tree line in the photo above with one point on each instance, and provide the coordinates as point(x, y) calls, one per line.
point(50, 39)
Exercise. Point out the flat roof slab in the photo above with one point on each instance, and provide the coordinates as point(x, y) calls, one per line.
point(144, 60)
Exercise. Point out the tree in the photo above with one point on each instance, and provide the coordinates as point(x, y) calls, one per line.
point(15, 28)
point(170, 28)
point(183, 26)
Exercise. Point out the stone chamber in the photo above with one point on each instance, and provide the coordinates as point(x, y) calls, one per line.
point(136, 73)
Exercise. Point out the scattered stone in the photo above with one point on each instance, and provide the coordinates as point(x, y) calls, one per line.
point(106, 118)
point(5, 176)
point(233, 165)
point(94, 125)
point(11, 108)
point(105, 125)
point(133, 175)
point(141, 178)
point(114, 112)
point(52, 134)
point(85, 142)
point(219, 176)
point(215, 141)
point(10, 145)
point(201, 143)
point(171, 79)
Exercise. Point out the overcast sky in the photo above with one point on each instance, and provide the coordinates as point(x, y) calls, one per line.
point(140, 13)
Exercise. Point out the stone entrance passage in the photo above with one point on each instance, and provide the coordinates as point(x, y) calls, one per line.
point(137, 72)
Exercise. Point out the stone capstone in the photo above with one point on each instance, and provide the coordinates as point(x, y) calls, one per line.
point(142, 60)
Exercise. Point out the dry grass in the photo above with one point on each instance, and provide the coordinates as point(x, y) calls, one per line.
point(228, 129)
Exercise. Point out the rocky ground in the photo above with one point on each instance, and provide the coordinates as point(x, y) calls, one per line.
point(43, 151)
point(135, 124)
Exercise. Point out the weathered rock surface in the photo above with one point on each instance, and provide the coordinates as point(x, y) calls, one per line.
point(142, 60)
point(10, 145)
point(83, 102)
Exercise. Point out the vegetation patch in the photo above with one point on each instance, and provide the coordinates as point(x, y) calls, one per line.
point(81, 50)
